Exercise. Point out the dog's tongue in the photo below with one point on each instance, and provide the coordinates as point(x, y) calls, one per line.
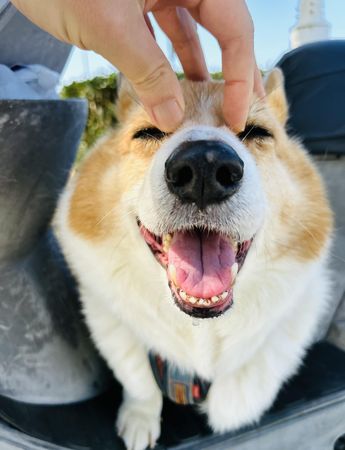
point(200, 263)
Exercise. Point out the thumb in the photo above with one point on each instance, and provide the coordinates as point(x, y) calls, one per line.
point(137, 55)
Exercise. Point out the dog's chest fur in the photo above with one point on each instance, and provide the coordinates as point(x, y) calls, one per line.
point(131, 286)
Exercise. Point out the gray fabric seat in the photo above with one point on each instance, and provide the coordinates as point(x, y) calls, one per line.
point(315, 87)
point(333, 171)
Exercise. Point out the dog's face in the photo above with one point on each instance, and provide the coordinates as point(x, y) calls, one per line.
point(201, 202)
point(202, 198)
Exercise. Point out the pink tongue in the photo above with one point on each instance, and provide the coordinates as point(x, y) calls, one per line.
point(202, 262)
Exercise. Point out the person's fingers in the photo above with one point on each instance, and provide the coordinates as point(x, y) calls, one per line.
point(118, 31)
point(239, 82)
point(149, 24)
point(230, 22)
point(139, 58)
point(180, 28)
point(49, 18)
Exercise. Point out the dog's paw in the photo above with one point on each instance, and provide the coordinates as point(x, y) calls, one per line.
point(232, 404)
point(138, 423)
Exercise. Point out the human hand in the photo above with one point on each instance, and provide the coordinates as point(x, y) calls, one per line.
point(119, 31)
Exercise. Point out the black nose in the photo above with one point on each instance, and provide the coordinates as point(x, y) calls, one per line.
point(203, 172)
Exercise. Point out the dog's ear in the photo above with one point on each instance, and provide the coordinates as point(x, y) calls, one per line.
point(126, 97)
point(276, 98)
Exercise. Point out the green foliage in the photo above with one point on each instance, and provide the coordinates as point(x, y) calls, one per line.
point(101, 95)
point(217, 75)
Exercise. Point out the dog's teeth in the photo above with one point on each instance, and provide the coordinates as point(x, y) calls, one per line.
point(183, 295)
point(207, 302)
point(204, 302)
point(166, 242)
point(234, 271)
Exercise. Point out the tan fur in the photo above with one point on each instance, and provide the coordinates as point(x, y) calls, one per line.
point(276, 95)
point(126, 100)
point(308, 218)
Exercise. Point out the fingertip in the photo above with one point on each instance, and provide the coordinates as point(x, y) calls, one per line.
point(238, 128)
point(236, 105)
point(236, 118)
point(167, 115)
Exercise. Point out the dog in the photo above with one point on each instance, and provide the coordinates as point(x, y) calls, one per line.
point(201, 257)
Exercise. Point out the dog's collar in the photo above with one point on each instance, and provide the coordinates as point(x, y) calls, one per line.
point(179, 387)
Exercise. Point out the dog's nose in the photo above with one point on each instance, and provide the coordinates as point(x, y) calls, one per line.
point(203, 172)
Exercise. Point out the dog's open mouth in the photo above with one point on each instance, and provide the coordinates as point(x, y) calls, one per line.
point(201, 267)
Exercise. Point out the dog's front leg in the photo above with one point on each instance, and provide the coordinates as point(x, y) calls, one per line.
point(138, 421)
point(240, 397)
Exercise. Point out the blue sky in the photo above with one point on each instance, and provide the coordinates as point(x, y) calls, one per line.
point(272, 20)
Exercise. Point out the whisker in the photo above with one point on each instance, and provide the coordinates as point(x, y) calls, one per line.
point(118, 243)
point(247, 134)
point(118, 269)
point(136, 100)
point(304, 227)
point(106, 215)
point(152, 137)
point(339, 258)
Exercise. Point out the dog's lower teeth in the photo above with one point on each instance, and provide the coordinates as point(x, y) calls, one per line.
point(183, 295)
point(202, 301)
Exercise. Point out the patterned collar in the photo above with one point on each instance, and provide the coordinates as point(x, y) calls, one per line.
point(179, 387)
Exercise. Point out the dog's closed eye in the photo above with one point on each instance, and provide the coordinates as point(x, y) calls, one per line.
point(150, 133)
point(254, 132)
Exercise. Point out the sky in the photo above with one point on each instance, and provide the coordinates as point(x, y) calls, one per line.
point(272, 21)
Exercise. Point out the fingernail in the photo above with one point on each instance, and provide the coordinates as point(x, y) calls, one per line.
point(237, 128)
point(168, 115)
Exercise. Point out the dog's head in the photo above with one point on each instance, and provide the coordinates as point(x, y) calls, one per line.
point(203, 198)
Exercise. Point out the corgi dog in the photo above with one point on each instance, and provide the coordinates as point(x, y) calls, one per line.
point(201, 257)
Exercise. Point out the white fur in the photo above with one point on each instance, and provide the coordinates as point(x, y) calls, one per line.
point(247, 353)
point(241, 215)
